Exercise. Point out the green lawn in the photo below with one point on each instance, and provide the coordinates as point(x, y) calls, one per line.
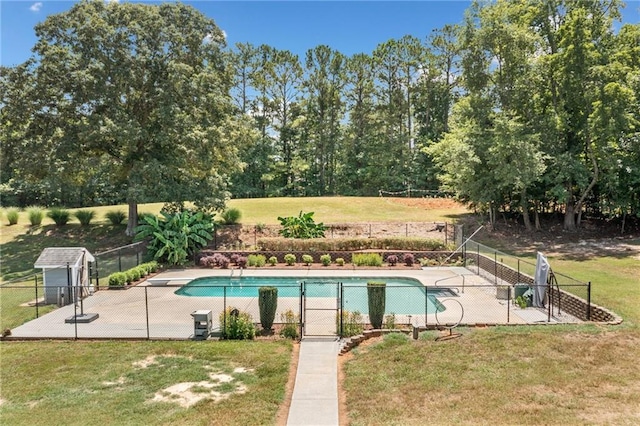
point(102, 383)
point(583, 374)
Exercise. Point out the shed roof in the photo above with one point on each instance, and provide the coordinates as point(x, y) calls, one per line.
point(55, 257)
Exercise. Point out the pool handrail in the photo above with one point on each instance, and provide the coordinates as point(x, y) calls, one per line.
point(448, 278)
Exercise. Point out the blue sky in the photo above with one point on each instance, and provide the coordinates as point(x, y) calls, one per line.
point(347, 26)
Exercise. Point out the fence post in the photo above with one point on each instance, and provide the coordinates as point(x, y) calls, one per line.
point(495, 267)
point(426, 305)
point(478, 258)
point(508, 305)
point(119, 260)
point(97, 275)
point(589, 301)
point(224, 311)
point(146, 309)
point(75, 319)
point(36, 277)
point(446, 233)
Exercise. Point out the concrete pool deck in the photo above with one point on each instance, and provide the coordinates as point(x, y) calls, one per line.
point(151, 310)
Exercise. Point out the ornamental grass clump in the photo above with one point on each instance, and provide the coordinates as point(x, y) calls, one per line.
point(290, 259)
point(36, 214)
point(12, 216)
point(267, 303)
point(115, 217)
point(59, 216)
point(376, 292)
point(307, 259)
point(85, 216)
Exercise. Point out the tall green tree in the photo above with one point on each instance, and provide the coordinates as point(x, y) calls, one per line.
point(363, 152)
point(283, 79)
point(324, 111)
point(144, 87)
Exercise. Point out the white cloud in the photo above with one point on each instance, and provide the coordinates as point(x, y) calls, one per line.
point(112, 1)
point(36, 7)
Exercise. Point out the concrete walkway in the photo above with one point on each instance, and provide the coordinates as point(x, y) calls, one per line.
point(315, 394)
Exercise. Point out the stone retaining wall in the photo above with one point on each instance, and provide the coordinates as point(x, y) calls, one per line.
point(568, 302)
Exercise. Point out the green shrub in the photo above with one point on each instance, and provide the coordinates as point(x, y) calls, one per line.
point(59, 216)
point(142, 271)
point(273, 261)
point(350, 244)
point(390, 321)
point(231, 216)
point(352, 324)
point(150, 267)
point(115, 217)
point(290, 324)
point(376, 292)
point(340, 261)
point(36, 214)
point(12, 216)
point(302, 226)
point(132, 274)
point(307, 259)
point(142, 216)
point(175, 238)
point(268, 304)
point(257, 260)
point(236, 327)
point(290, 259)
point(367, 259)
point(325, 259)
point(117, 279)
point(85, 216)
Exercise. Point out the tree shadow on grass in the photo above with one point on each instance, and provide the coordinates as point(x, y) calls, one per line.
point(19, 254)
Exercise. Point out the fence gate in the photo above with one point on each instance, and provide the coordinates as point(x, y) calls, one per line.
point(320, 302)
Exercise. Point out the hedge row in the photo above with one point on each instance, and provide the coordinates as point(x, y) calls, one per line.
point(350, 244)
point(119, 279)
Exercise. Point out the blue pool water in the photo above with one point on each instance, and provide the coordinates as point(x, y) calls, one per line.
point(403, 295)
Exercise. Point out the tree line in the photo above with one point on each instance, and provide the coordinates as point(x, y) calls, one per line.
point(525, 107)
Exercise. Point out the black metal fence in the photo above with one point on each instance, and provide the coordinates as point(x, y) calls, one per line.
point(241, 237)
point(167, 312)
point(116, 260)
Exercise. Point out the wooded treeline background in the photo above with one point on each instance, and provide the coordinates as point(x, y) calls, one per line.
point(525, 106)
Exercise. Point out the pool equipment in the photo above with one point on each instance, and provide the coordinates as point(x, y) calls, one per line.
point(202, 324)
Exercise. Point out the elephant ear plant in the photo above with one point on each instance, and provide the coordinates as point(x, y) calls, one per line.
point(175, 237)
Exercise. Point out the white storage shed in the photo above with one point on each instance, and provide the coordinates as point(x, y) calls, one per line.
point(65, 272)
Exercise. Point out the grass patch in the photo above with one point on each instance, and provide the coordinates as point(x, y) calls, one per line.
point(510, 375)
point(115, 382)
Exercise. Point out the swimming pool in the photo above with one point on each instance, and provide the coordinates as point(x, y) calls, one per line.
point(403, 295)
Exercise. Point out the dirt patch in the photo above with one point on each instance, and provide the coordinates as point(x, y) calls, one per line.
point(428, 203)
point(187, 394)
